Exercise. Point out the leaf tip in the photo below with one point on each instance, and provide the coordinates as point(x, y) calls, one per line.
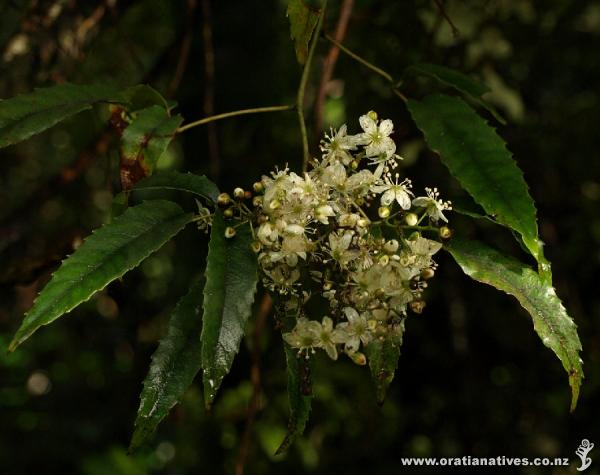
point(13, 346)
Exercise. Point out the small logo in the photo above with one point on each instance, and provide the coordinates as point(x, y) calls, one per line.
point(582, 451)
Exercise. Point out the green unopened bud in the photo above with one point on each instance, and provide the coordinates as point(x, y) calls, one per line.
point(445, 233)
point(372, 115)
point(354, 164)
point(238, 193)
point(384, 212)
point(358, 358)
point(411, 219)
point(223, 200)
point(229, 232)
point(228, 213)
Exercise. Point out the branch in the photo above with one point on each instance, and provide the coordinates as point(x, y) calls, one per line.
point(209, 88)
point(302, 88)
point(184, 51)
point(265, 309)
point(440, 5)
point(330, 60)
point(226, 115)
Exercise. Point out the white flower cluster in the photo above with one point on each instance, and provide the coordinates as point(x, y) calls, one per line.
point(317, 235)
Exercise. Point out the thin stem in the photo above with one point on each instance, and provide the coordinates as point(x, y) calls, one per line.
point(225, 115)
point(302, 89)
point(420, 228)
point(384, 74)
point(361, 60)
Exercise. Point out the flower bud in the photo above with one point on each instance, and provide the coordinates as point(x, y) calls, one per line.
point(258, 187)
point(384, 212)
point(228, 213)
point(358, 358)
point(223, 200)
point(411, 219)
point(391, 246)
point(372, 115)
point(445, 233)
point(354, 164)
point(229, 232)
point(238, 193)
point(363, 222)
point(256, 247)
point(417, 306)
point(427, 273)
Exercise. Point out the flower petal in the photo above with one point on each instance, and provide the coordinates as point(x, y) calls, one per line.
point(367, 124)
point(386, 127)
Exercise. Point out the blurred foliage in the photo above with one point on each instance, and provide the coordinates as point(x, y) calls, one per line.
point(473, 379)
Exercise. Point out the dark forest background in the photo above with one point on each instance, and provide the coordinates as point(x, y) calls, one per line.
point(473, 378)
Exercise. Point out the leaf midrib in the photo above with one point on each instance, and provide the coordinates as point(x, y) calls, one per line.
point(541, 315)
point(98, 266)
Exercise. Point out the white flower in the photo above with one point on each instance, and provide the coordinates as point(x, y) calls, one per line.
point(323, 213)
point(377, 137)
point(394, 191)
point(335, 175)
point(267, 234)
point(329, 337)
point(338, 247)
point(305, 335)
point(335, 146)
point(356, 329)
point(433, 205)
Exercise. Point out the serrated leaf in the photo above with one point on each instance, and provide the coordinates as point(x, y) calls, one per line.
point(462, 83)
point(29, 114)
point(300, 403)
point(383, 356)
point(303, 20)
point(105, 255)
point(550, 320)
point(174, 365)
point(231, 276)
point(172, 180)
point(144, 141)
point(143, 96)
point(478, 158)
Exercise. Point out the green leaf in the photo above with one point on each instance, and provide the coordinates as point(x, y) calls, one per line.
point(300, 403)
point(143, 96)
point(231, 276)
point(29, 114)
point(478, 158)
point(303, 20)
point(173, 180)
point(105, 255)
point(144, 141)
point(550, 320)
point(383, 356)
point(462, 83)
point(175, 363)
